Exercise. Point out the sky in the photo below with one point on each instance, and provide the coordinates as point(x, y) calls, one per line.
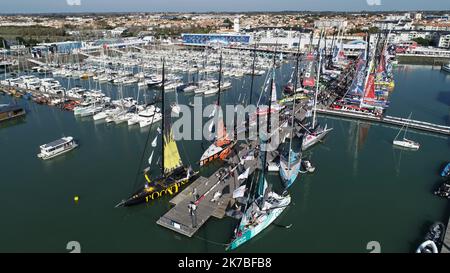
point(46, 6)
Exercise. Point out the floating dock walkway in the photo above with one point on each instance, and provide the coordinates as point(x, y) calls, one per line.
point(224, 181)
point(414, 124)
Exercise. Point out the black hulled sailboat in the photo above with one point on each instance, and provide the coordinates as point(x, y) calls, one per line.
point(174, 174)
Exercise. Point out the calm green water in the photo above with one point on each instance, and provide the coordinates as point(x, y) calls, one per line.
point(363, 189)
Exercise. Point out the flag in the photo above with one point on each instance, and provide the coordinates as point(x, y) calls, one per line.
point(150, 159)
point(244, 175)
point(239, 192)
point(155, 142)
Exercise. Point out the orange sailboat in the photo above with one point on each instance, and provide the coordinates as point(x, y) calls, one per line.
point(223, 145)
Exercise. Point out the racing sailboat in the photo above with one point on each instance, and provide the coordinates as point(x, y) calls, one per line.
point(223, 145)
point(267, 205)
point(174, 175)
point(316, 133)
point(290, 163)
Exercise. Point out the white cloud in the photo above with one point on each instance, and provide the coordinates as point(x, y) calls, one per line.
point(73, 2)
point(373, 2)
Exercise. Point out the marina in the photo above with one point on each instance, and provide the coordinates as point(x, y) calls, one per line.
point(159, 206)
point(217, 143)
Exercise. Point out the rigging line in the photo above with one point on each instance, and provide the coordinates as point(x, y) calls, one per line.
point(143, 153)
point(211, 242)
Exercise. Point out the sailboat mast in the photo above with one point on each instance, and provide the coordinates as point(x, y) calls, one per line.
point(317, 87)
point(220, 79)
point(293, 107)
point(407, 125)
point(269, 115)
point(253, 74)
point(163, 115)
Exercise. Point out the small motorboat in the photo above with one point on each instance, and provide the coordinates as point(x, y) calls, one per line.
point(443, 191)
point(433, 239)
point(308, 166)
point(446, 171)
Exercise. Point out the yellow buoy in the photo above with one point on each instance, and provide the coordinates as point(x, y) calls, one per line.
point(76, 198)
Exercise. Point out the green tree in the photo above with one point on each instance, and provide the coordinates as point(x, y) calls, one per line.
point(423, 42)
point(373, 30)
point(227, 22)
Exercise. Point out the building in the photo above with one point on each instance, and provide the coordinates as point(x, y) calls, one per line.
point(408, 35)
point(237, 27)
point(206, 39)
point(434, 26)
point(118, 31)
point(61, 47)
point(394, 24)
point(418, 16)
point(442, 40)
point(330, 23)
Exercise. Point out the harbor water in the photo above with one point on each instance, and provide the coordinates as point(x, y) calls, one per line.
point(363, 189)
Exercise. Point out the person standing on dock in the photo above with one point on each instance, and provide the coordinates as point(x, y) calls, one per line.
point(195, 194)
point(193, 212)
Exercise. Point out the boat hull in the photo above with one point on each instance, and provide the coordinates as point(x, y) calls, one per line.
point(161, 187)
point(44, 157)
point(271, 216)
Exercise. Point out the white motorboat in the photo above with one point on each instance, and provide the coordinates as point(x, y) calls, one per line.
point(91, 111)
point(149, 121)
point(190, 88)
point(57, 147)
point(143, 115)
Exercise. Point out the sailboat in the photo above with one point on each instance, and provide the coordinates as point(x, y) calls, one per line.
point(223, 145)
point(266, 207)
point(406, 143)
point(291, 162)
point(316, 133)
point(174, 175)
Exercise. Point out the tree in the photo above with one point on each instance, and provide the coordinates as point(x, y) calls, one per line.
point(373, 30)
point(423, 42)
point(227, 22)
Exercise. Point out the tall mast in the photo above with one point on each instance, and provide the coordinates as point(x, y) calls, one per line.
point(4, 52)
point(293, 107)
point(220, 78)
point(264, 162)
point(317, 88)
point(253, 74)
point(163, 116)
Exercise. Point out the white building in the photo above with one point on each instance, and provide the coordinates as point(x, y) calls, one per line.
point(117, 31)
point(442, 40)
point(418, 16)
point(393, 24)
point(330, 23)
point(236, 26)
